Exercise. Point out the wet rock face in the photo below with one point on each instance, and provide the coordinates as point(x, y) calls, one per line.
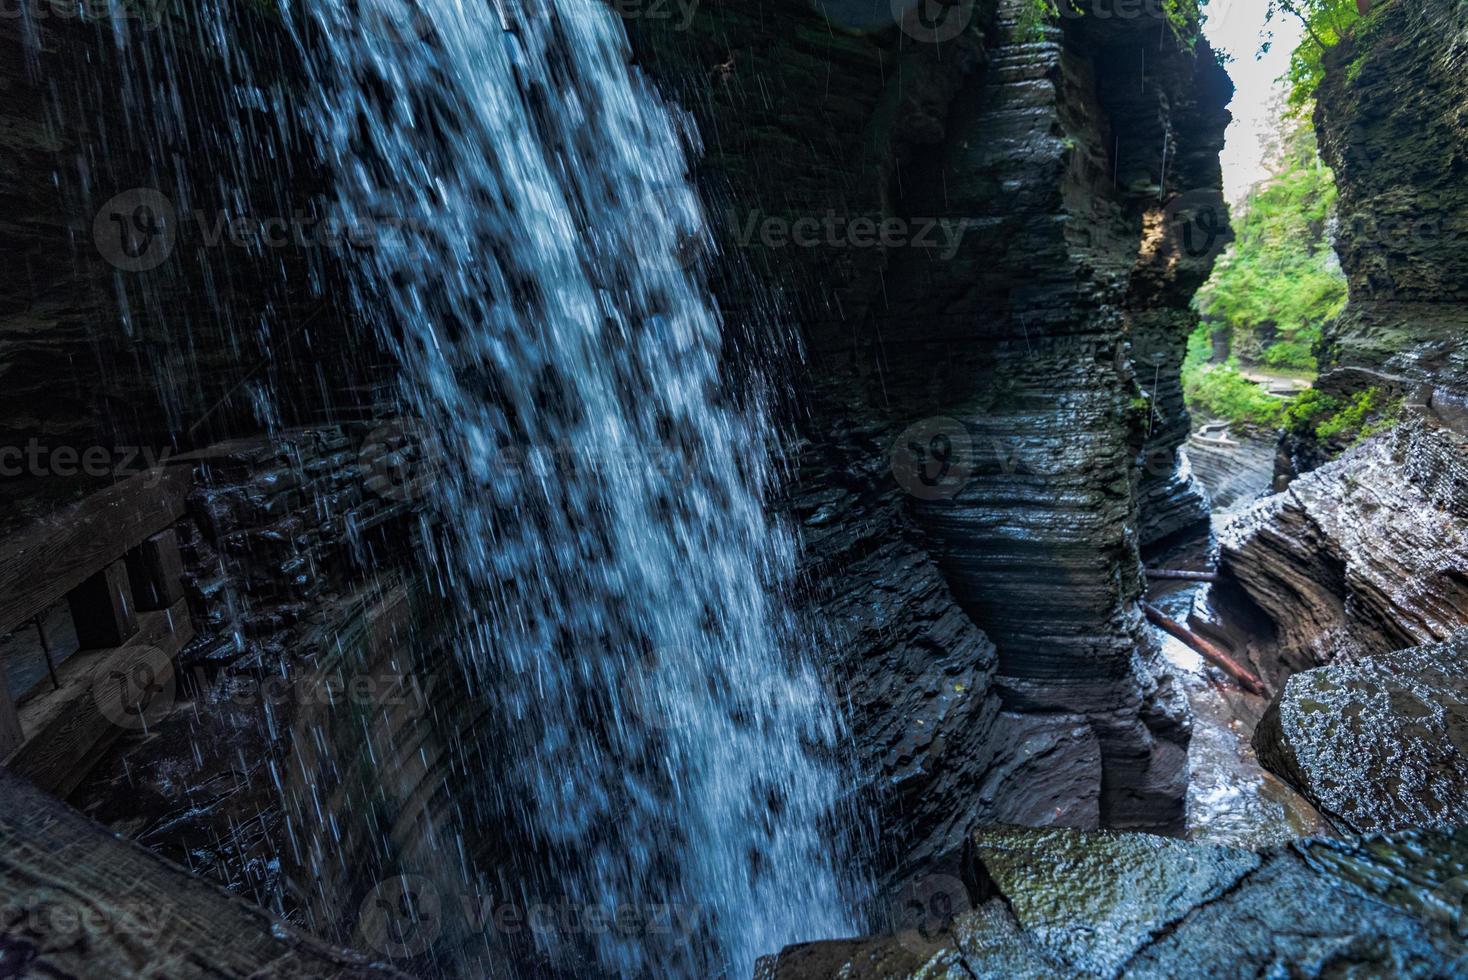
point(919, 675)
point(160, 340)
point(1379, 742)
point(1365, 555)
point(1073, 239)
point(1068, 903)
point(1391, 125)
point(1076, 177)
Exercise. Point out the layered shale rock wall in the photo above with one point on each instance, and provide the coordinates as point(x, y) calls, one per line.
point(1365, 555)
point(974, 426)
point(1393, 126)
point(1360, 567)
point(148, 317)
point(167, 287)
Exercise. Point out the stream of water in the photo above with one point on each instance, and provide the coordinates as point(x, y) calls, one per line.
point(665, 738)
point(1232, 799)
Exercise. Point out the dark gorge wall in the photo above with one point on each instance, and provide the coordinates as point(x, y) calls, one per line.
point(1357, 570)
point(1391, 120)
point(171, 278)
point(1364, 555)
point(983, 451)
point(963, 252)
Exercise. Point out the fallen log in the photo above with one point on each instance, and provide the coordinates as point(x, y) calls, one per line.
point(1211, 652)
point(1171, 575)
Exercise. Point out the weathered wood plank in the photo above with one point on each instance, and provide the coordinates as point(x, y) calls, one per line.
point(41, 564)
point(10, 731)
point(79, 902)
point(103, 694)
point(155, 569)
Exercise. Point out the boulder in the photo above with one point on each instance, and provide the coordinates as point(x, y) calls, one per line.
point(1047, 903)
point(1379, 742)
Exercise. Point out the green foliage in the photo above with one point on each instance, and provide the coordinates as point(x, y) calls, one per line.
point(1344, 421)
point(1366, 414)
point(1295, 356)
point(1309, 409)
point(1326, 23)
point(1033, 16)
point(1182, 16)
point(1279, 270)
point(1221, 391)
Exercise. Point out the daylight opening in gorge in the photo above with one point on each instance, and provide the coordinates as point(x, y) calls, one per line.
point(778, 489)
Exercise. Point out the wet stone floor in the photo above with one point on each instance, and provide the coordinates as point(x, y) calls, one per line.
point(1231, 798)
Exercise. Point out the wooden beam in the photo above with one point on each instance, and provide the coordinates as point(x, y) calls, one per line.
point(1172, 575)
point(80, 902)
point(155, 569)
point(42, 563)
point(1210, 652)
point(10, 731)
point(103, 694)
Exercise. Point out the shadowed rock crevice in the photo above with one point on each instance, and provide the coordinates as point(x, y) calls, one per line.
point(1071, 168)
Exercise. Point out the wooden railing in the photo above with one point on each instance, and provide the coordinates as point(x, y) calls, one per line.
point(114, 558)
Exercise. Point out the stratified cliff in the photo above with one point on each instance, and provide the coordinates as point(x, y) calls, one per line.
point(987, 437)
point(1364, 555)
point(1362, 564)
point(1392, 125)
point(982, 230)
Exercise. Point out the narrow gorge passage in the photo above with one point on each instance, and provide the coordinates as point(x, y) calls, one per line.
point(790, 489)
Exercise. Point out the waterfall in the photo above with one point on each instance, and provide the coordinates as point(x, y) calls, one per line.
point(660, 736)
